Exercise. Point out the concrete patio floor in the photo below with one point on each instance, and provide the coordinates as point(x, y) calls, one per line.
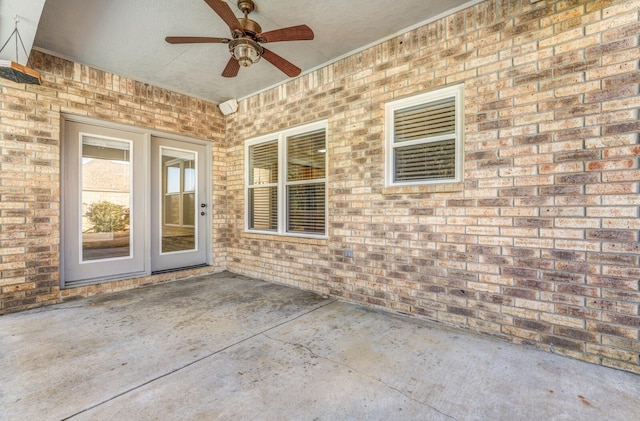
point(230, 347)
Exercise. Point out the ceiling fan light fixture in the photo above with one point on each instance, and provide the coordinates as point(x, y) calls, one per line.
point(246, 51)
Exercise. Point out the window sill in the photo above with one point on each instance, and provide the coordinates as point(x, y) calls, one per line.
point(296, 239)
point(425, 188)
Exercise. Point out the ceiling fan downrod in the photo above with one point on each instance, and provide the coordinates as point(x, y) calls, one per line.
point(250, 26)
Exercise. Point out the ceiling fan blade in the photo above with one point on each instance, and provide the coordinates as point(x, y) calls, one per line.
point(288, 68)
point(226, 14)
point(292, 33)
point(232, 68)
point(195, 40)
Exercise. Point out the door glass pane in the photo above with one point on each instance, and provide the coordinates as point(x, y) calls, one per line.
point(106, 198)
point(179, 202)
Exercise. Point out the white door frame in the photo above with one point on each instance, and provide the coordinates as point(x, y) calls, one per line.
point(162, 261)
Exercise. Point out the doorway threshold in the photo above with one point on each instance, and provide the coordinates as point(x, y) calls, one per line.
point(159, 272)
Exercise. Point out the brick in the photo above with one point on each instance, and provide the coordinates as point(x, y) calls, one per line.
point(610, 329)
point(578, 334)
point(629, 321)
point(611, 165)
point(614, 354)
point(618, 176)
point(621, 342)
point(621, 295)
point(610, 47)
point(612, 282)
point(560, 342)
point(620, 365)
point(532, 325)
point(578, 311)
point(521, 293)
point(571, 256)
point(621, 128)
point(608, 305)
point(624, 151)
point(613, 259)
point(560, 190)
point(614, 235)
point(609, 188)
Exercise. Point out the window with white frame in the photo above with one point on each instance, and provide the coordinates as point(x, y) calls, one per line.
point(286, 190)
point(425, 138)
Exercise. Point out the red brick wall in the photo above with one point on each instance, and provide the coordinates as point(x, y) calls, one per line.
point(539, 245)
point(30, 118)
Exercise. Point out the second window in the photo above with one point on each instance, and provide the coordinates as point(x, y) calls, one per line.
point(286, 182)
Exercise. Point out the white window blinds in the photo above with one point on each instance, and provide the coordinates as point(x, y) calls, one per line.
point(263, 203)
point(306, 167)
point(263, 188)
point(263, 161)
point(306, 156)
point(286, 181)
point(422, 121)
point(436, 160)
point(425, 137)
point(306, 208)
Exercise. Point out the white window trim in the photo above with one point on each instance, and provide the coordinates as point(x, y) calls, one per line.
point(456, 91)
point(281, 138)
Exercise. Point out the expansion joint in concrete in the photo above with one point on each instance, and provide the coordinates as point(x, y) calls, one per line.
point(189, 364)
point(355, 370)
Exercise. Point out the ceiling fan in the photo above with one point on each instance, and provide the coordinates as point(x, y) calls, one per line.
point(246, 39)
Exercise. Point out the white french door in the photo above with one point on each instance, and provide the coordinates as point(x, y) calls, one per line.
point(133, 204)
point(179, 210)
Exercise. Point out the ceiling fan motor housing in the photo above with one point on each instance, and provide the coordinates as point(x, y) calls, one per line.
point(250, 26)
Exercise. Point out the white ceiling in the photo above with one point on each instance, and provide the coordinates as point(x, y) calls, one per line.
point(126, 37)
